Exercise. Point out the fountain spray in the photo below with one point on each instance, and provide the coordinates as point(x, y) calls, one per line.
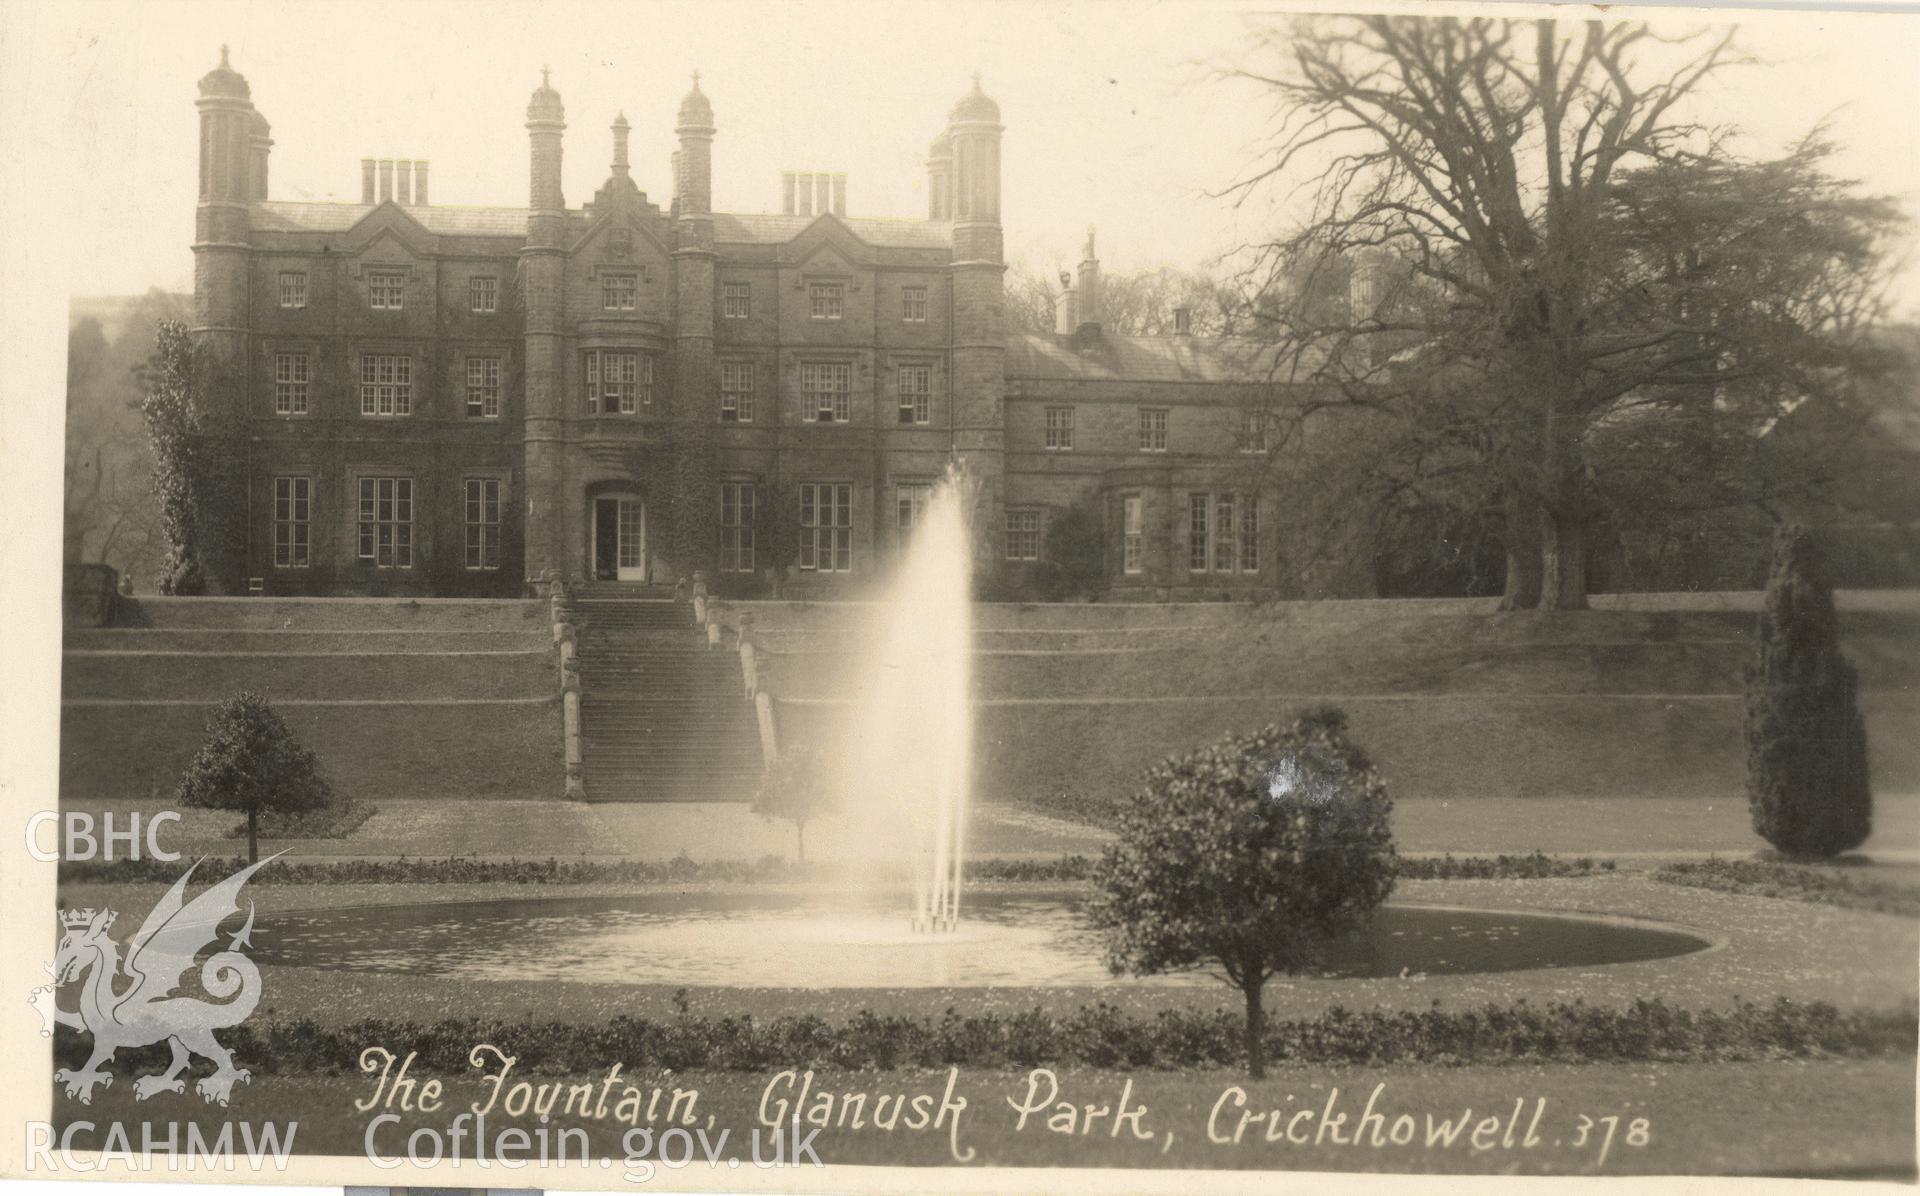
point(918, 723)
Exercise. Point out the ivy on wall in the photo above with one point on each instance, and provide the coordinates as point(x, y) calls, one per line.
point(198, 476)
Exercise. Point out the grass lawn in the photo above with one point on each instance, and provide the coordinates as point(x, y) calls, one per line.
point(1624, 828)
point(1764, 948)
point(1840, 1119)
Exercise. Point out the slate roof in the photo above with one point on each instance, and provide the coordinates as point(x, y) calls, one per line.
point(1112, 358)
point(282, 216)
point(882, 232)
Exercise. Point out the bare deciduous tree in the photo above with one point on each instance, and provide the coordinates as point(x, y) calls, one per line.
point(1563, 277)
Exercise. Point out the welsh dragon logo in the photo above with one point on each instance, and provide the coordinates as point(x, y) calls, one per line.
point(132, 1003)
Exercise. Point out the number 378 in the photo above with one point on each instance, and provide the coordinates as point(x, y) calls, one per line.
point(1603, 1129)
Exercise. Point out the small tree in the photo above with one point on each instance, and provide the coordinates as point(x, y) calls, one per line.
point(1247, 856)
point(797, 788)
point(1806, 744)
point(252, 761)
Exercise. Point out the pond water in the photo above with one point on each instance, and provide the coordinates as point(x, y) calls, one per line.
point(782, 940)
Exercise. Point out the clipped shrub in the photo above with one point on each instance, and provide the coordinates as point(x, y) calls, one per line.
point(1500, 867)
point(1249, 856)
point(251, 761)
point(1807, 783)
point(798, 788)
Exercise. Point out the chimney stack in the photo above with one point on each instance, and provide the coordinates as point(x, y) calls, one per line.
point(1183, 321)
point(402, 180)
point(1066, 318)
point(813, 193)
point(1089, 301)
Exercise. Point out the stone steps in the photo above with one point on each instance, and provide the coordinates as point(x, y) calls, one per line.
point(662, 716)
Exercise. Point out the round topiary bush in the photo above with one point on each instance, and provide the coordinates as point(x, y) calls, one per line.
point(251, 761)
point(799, 788)
point(1247, 856)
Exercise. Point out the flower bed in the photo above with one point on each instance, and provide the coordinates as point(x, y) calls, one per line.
point(767, 869)
point(1850, 887)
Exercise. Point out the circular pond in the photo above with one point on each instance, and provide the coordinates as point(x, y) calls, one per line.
point(783, 940)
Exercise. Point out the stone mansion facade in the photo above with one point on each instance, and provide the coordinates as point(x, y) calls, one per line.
point(443, 400)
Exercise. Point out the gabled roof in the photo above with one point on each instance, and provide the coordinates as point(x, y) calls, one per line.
point(1139, 358)
point(282, 216)
point(880, 232)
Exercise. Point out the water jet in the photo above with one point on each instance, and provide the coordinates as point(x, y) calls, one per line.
point(913, 753)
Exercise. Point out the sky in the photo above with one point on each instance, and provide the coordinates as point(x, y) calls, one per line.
point(1117, 115)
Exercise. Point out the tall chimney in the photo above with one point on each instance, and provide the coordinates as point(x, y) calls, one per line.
point(840, 195)
point(939, 177)
point(1065, 316)
point(620, 130)
point(786, 192)
point(1089, 302)
point(366, 181)
point(386, 179)
point(1183, 321)
point(403, 181)
point(805, 181)
point(420, 182)
point(823, 193)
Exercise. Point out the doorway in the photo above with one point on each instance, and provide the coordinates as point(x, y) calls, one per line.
point(619, 539)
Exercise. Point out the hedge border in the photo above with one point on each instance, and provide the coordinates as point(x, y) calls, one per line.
point(1099, 1035)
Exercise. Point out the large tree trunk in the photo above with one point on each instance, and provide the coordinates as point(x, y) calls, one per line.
point(253, 834)
point(1256, 1030)
point(1563, 561)
point(1521, 535)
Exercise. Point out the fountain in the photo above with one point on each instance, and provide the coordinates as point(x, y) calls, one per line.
point(912, 754)
point(903, 761)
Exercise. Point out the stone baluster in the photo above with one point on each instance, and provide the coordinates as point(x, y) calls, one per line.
point(749, 671)
point(763, 714)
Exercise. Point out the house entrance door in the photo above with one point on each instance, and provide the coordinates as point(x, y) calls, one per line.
point(619, 539)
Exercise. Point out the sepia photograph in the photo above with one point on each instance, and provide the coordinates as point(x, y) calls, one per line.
point(960, 597)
